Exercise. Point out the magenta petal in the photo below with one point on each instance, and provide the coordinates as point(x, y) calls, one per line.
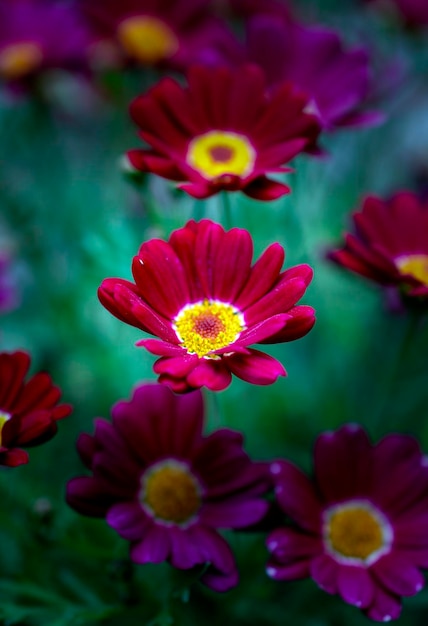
point(291, 571)
point(210, 373)
point(222, 574)
point(154, 547)
point(296, 495)
point(355, 586)
point(185, 552)
point(287, 544)
point(233, 514)
point(264, 189)
point(324, 571)
point(176, 367)
point(86, 495)
point(385, 606)
point(161, 348)
point(263, 330)
point(256, 367)
point(128, 519)
point(398, 576)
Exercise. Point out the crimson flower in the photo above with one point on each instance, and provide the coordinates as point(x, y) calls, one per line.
point(29, 409)
point(222, 131)
point(199, 293)
point(36, 35)
point(165, 487)
point(360, 523)
point(391, 244)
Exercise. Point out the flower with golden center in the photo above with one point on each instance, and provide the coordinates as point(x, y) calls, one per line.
point(157, 32)
point(223, 131)
point(36, 36)
point(200, 294)
point(29, 409)
point(360, 524)
point(165, 487)
point(390, 246)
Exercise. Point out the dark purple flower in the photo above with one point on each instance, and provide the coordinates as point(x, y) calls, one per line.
point(360, 524)
point(165, 487)
point(39, 34)
point(337, 80)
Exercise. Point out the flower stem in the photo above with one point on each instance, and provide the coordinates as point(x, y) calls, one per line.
point(226, 210)
point(396, 366)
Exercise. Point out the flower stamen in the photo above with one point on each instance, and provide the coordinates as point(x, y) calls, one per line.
point(218, 153)
point(170, 493)
point(355, 532)
point(415, 265)
point(19, 59)
point(209, 325)
point(4, 417)
point(147, 38)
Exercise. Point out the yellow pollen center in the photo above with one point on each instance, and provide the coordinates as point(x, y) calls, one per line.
point(19, 59)
point(207, 326)
point(170, 493)
point(4, 417)
point(147, 39)
point(219, 153)
point(356, 531)
point(415, 265)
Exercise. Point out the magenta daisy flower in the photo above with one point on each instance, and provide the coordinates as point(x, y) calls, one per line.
point(337, 80)
point(155, 32)
point(36, 35)
point(391, 244)
point(29, 409)
point(360, 525)
point(165, 487)
point(201, 296)
point(222, 131)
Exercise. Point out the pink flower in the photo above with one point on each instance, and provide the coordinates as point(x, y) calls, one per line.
point(201, 296)
point(359, 525)
point(29, 409)
point(165, 487)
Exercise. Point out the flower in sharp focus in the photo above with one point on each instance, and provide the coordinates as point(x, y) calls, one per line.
point(360, 524)
point(29, 409)
point(201, 296)
point(155, 32)
point(337, 81)
point(390, 246)
point(36, 35)
point(165, 487)
point(223, 131)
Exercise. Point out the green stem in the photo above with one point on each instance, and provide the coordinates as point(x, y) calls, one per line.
point(396, 366)
point(226, 210)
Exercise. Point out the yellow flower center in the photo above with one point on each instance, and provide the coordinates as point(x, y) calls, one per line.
point(208, 325)
point(357, 532)
point(415, 265)
point(19, 59)
point(170, 492)
point(147, 39)
point(219, 153)
point(4, 417)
